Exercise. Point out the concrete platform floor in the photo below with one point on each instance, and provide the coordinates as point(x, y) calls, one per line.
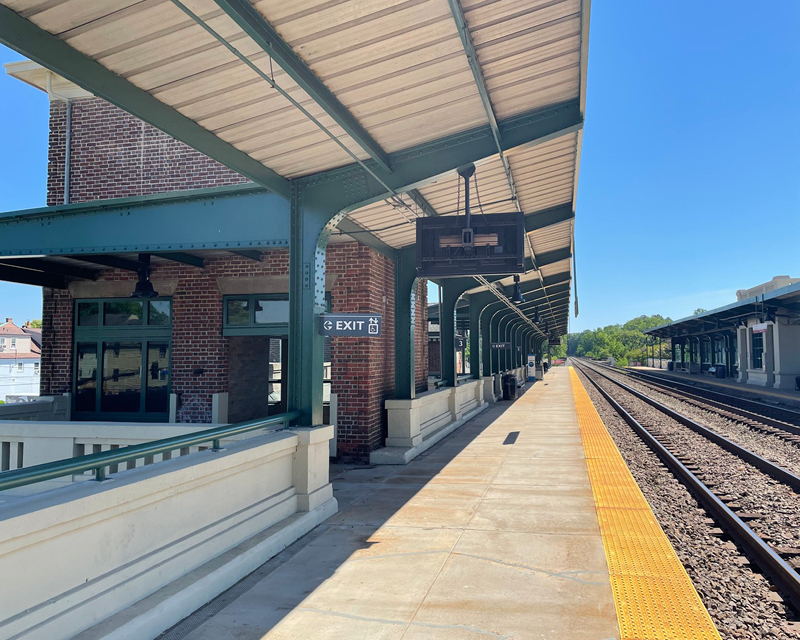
point(491, 534)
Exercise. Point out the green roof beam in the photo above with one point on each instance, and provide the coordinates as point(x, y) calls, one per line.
point(243, 13)
point(55, 54)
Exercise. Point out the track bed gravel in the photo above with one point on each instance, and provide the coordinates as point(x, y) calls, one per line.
point(772, 448)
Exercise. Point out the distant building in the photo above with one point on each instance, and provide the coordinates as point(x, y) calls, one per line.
point(778, 282)
point(20, 360)
point(755, 340)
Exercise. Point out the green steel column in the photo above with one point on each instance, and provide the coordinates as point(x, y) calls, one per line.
point(311, 226)
point(487, 313)
point(520, 343)
point(504, 337)
point(405, 280)
point(452, 290)
point(513, 326)
point(495, 337)
point(477, 343)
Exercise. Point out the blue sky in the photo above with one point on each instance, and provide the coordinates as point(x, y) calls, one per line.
point(690, 174)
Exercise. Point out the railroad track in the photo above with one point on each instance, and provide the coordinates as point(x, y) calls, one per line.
point(775, 561)
point(759, 416)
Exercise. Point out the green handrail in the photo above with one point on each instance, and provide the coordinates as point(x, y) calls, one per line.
point(98, 462)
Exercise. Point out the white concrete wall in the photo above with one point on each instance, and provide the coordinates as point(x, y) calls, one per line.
point(415, 425)
point(42, 442)
point(50, 408)
point(87, 551)
point(787, 354)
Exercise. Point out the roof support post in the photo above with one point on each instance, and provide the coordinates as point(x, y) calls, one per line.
point(405, 283)
point(520, 343)
point(502, 336)
point(311, 224)
point(486, 339)
point(452, 290)
point(478, 340)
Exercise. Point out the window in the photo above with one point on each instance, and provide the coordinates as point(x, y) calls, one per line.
point(20, 367)
point(122, 359)
point(36, 368)
point(13, 343)
point(758, 350)
point(259, 314)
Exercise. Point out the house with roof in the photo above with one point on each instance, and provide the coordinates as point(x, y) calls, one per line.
point(20, 360)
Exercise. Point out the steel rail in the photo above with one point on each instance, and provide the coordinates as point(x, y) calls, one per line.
point(676, 385)
point(98, 462)
point(681, 394)
point(772, 470)
point(783, 576)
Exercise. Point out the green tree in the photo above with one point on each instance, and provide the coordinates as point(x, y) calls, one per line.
point(35, 324)
point(698, 311)
point(621, 342)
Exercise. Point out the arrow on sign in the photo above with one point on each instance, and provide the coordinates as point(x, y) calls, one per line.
point(328, 324)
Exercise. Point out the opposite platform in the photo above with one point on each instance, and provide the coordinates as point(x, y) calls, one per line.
point(493, 533)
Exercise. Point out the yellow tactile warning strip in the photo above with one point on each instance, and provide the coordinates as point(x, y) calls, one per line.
point(654, 596)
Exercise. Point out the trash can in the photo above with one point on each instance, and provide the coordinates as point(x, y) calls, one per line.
point(722, 371)
point(509, 387)
point(797, 383)
point(670, 366)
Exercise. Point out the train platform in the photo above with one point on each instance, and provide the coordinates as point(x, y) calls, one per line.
point(524, 523)
point(725, 384)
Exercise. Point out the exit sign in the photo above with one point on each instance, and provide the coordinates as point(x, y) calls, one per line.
point(353, 325)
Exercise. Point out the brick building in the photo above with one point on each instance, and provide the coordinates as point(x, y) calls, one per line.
point(199, 364)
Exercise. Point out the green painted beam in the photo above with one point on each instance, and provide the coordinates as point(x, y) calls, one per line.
point(548, 217)
point(243, 13)
point(36, 278)
point(351, 187)
point(405, 274)
point(52, 268)
point(183, 258)
point(251, 255)
point(242, 218)
point(551, 257)
point(50, 51)
point(348, 226)
point(422, 202)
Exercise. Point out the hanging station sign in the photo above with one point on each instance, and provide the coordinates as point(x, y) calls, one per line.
point(351, 325)
point(760, 327)
point(501, 345)
point(461, 343)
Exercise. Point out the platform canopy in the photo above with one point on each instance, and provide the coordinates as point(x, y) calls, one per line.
point(782, 301)
point(391, 96)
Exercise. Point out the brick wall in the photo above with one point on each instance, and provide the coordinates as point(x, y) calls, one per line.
point(115, 155)
point(57, 321)
point(248, 384)
point(362, 370)
point(200, 354)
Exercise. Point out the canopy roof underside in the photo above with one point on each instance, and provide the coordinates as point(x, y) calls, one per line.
point(385, 76)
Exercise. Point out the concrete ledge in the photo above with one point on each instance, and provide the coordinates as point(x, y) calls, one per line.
point(400, 455)
point(171, 604)
point(94, 552)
